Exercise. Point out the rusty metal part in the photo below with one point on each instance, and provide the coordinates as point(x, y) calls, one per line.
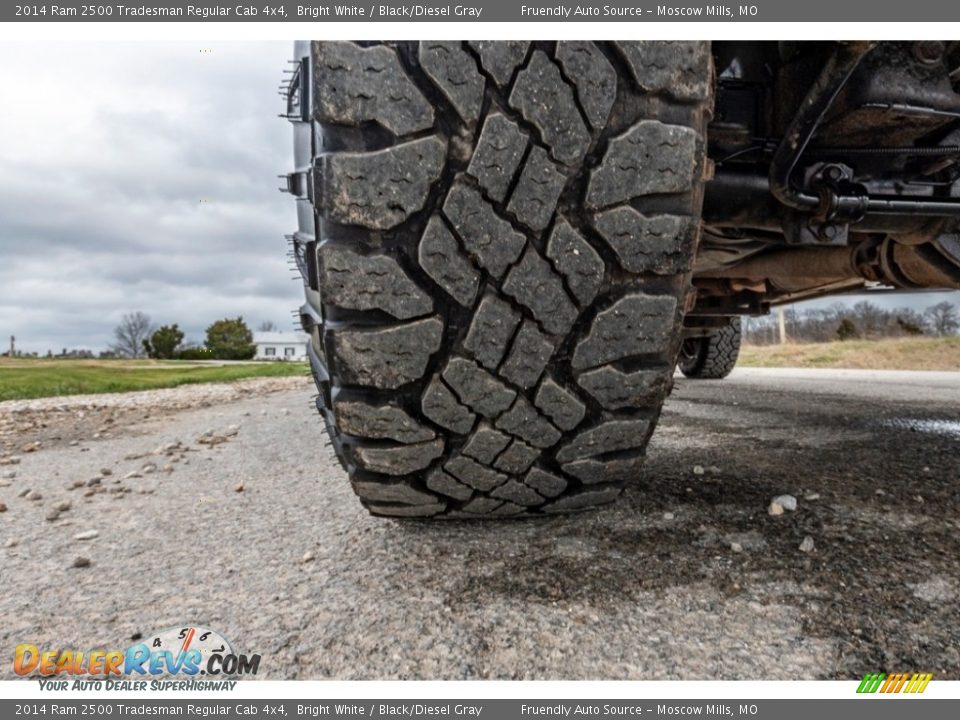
point(809, 263)
point(887, 262)
point(920, 266)
point(812, 293)
point(818, 101)
point(829, 203)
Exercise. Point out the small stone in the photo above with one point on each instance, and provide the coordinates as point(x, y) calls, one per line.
point(714, 470)
point(149, 468)
point(86, 535)
point(24, 492)
point(807, 545)
point(787, 502)
point(3, 507)
point(80, 562)
point(64, 506)
point(775, 508)
point(53, 514)
point(668, 516)
point(878, 492)
point(168, 468)
point(9, 474)
point(11, 460)
point(79, 483)
point(34, 495)
point(918, 498)
point(231, 430)
point(11, 542)
point(308, 556)
point(131, 475)
point(73, 443)
point(5, 483)
point(736, 547)
point(239, 488)
point(30, 447)
point(698, 470)
point(106, 472)
point(93, 481)
point(811, 496)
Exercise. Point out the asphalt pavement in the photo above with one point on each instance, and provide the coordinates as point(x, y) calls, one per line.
point(234, 515)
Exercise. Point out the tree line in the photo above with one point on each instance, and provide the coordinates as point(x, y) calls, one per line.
point(229, 339)
point(862, 321)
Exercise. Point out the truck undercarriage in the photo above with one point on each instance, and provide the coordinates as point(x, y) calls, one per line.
point(834, 167)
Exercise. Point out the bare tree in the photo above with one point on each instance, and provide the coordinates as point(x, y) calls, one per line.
point(133, 329)
point(943, 318)
point(267, 326)
point(869, 318)
point(864, 320)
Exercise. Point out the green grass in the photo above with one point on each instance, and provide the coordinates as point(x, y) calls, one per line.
point(898, 354)
point(22, 379)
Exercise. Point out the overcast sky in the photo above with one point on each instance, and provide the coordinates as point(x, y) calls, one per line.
point(106, 152)
point(142, 176)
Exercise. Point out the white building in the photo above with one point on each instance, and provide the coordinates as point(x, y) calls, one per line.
point(280, 345)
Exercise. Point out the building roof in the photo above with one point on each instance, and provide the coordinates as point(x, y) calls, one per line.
point(280, 338)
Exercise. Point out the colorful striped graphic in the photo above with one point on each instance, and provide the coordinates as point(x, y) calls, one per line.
point(894, 683)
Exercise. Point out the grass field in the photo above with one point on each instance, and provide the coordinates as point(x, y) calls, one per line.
point(899, 354)
point(33, 378)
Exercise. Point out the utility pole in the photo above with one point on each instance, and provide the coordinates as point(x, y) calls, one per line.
point(781, 317)
point(13, 346)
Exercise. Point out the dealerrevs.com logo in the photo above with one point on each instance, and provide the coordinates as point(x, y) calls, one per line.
point(181, 658)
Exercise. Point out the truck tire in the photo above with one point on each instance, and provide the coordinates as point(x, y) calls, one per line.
point(712, 357)
point(497, 260)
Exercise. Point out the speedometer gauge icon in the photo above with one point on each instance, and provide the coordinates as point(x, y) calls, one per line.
point(193, 642)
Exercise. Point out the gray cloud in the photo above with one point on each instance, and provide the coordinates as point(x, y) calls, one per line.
point(141, 176)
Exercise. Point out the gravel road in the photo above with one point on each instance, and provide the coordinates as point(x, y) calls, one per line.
point(210, 513)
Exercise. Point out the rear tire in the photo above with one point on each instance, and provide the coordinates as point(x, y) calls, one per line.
point(497, 263)
point(712, 357)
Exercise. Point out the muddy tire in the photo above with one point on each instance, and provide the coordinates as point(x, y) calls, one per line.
point(712, 357)
point(497, 261)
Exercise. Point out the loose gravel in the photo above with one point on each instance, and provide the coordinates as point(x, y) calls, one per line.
point(689, 577)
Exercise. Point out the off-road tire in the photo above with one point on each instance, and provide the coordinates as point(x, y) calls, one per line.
point(497, 263)
point(712, 357)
